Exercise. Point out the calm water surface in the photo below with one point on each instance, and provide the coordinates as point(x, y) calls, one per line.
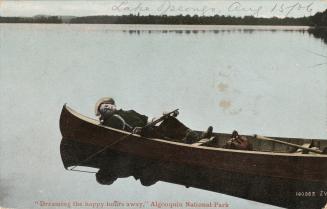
point(258, 80)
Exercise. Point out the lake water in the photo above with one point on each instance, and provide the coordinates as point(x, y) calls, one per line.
point(258, 80)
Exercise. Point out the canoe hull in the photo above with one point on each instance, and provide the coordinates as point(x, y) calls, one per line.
point(304, 168)
point(280, 192)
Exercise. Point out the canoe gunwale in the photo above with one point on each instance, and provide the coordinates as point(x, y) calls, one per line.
point(137, 136)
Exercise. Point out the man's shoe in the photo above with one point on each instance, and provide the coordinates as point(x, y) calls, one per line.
point(207, 134)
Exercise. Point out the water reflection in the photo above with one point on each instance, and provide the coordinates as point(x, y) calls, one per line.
point(275, 191)
point(235, 30)
point(320, 33)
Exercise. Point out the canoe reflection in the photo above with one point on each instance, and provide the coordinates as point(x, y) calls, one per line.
point(275, 191)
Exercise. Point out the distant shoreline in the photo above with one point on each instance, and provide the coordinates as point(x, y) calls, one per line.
point(181, 27)
point(163, 20)
point(318, 19)
point(315, 25)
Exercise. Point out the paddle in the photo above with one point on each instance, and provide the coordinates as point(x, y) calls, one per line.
point(286, 143)
point(173, 113)
point(164, 116)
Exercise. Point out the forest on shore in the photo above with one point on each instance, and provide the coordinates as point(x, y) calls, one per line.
point(319, 19)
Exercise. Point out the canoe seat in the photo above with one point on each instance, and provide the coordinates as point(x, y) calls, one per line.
point(203, 141)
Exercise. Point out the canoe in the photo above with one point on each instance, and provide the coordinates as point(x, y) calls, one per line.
point(267, 159)
point(272, 173)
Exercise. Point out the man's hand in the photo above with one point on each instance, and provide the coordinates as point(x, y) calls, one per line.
point(145, 132)
point(166, 114)
point(137, 130)
point(152, 119)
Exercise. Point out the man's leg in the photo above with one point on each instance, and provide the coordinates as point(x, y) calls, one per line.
point(172, 128)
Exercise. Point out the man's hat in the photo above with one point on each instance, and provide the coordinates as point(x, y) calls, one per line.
point(103, 100)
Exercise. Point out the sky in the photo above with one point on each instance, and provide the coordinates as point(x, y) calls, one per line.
point(258, 8)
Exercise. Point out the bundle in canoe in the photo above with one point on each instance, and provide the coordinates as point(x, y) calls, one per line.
point(266, 159)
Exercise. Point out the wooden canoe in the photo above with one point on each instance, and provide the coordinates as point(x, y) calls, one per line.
point(267, 159)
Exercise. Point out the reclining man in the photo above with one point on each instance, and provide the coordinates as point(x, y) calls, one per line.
point(131, 121)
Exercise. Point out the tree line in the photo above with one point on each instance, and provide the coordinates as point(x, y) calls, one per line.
point(43, 19)
point(191, 20)
point(319, 19)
